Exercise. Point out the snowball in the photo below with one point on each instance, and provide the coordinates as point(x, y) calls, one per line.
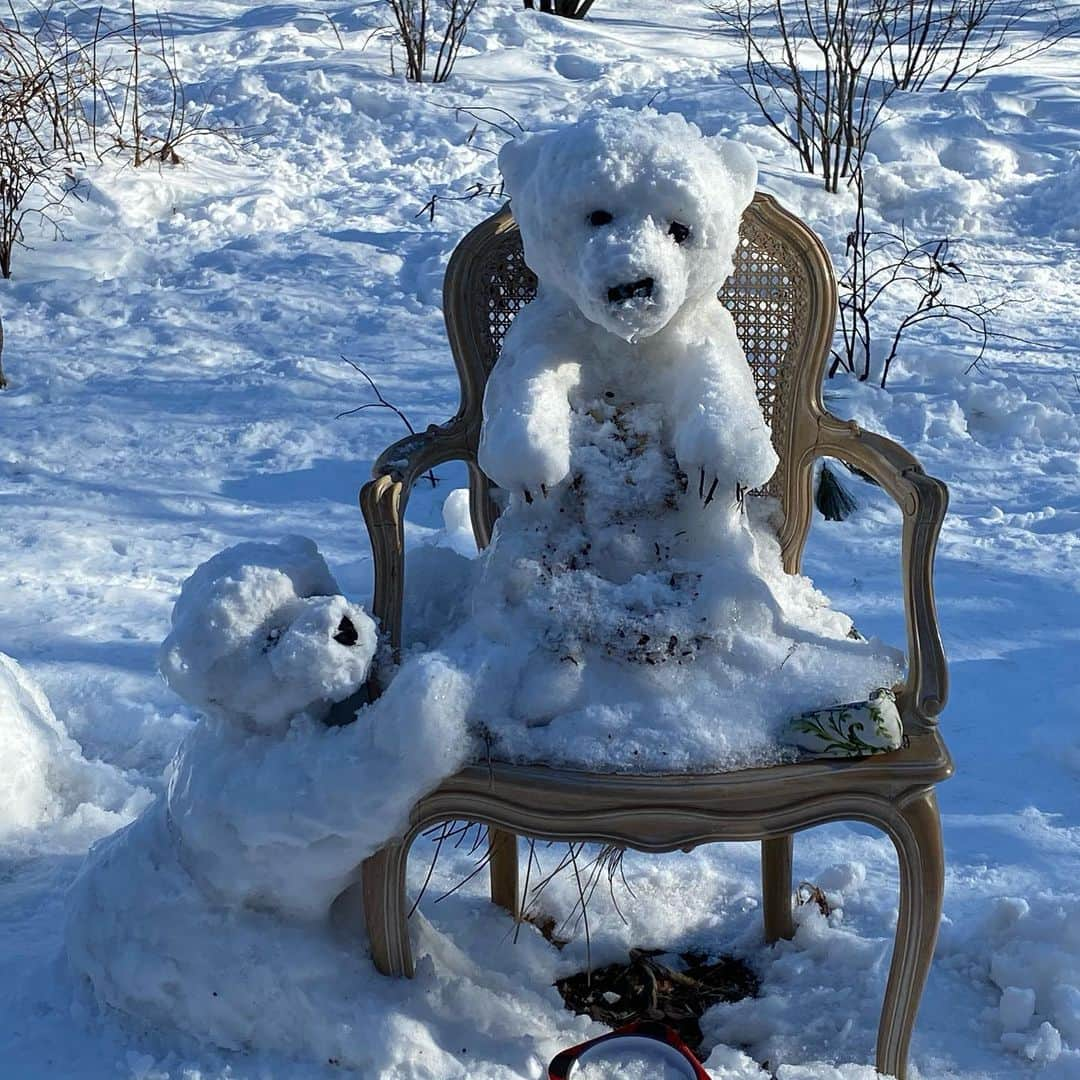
point(1016, 1008)
point(842, 877)
point(259, 635)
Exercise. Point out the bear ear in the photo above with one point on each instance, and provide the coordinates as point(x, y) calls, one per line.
point(518, 159)
point(742, 168)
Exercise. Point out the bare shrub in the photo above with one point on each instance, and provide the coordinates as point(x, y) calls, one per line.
point(924, 281)
point(569, 9)
point(414, 30)
point(821, 74)
point(31, 185)
point(42, 77)
point(813, 71)
point(123, 62)
point(943, 46)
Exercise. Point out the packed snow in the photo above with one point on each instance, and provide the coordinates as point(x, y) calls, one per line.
point(175, 374)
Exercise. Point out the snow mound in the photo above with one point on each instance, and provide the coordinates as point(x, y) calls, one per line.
point(45, 780)
point(1031, 951)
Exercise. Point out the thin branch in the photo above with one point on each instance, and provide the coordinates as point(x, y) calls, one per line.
point(382, 403)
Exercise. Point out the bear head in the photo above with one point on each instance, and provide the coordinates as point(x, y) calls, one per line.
point(260, 634)
point(631, 214)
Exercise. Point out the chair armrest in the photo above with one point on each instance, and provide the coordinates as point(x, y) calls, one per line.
point(923, 501)
point(383, 500)
point(411, 457)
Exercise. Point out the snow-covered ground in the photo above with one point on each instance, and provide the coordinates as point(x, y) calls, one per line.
point(176, 370)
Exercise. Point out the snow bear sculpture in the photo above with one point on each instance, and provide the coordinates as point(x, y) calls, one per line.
point(622, 419)
point(211, 911)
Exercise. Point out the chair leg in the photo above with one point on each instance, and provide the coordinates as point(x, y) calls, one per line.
point(382, 879)
point(917, 837)
point(776, 888)
point(503, 869)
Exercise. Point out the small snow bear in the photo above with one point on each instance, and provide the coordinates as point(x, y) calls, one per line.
point(212, 911)
point(630, 221)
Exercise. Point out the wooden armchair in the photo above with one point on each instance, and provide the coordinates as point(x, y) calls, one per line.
point(783, 298)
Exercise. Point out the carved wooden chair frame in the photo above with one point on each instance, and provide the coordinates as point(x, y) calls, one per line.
point(782, 296)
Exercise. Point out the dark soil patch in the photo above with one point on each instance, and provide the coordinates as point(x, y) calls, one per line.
point(644, 988)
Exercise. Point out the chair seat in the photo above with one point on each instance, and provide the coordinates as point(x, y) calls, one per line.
point(653, 812)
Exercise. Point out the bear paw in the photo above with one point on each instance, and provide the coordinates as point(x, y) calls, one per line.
point(716, 463)
point(520, 463)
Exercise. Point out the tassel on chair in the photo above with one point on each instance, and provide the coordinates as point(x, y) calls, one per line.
point(834, 501)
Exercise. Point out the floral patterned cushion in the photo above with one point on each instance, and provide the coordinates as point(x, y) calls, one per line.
point(857, 729)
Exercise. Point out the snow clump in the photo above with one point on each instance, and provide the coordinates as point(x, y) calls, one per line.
point(1032, 952)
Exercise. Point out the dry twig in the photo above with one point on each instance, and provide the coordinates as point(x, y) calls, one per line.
point(381, 403)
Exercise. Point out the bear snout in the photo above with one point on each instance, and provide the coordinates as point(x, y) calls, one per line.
point(631, 290)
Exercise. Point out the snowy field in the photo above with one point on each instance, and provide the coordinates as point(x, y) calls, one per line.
point(177, 372)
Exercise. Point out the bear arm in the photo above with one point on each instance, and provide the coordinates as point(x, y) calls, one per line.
point(525, 437)
point(718, 423)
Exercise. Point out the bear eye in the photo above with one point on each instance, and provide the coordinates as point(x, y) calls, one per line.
point(599, 217)
point(679, 232)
